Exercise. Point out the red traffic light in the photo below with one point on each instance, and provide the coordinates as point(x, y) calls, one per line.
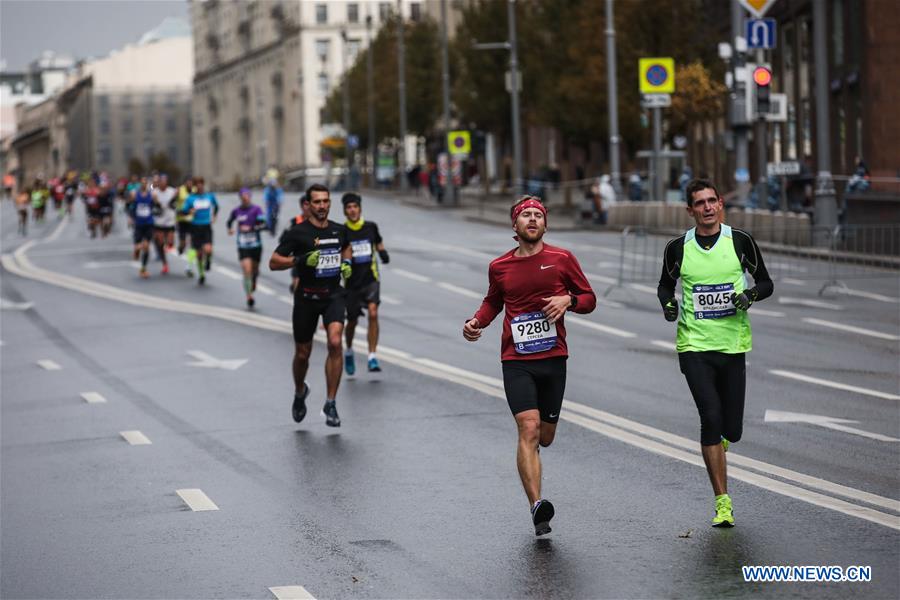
point(762, 76)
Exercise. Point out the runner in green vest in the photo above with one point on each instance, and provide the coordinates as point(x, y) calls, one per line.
point(713, 327)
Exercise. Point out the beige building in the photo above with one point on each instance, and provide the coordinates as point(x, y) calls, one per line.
point(263, 72)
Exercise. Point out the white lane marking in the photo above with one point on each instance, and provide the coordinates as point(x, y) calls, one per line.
point(851, 328)
point(460, 290)
point(291, 592)
point(49, 365)
point(264, 289)
point(411, 275)
point(791, 281)
point(390, 299)
point(20, 265)
point(59, 228)
point(664, 344)
point(767, 483)
point(609, 303)
point(102, 264)
point(603, 278)
point(777, 416)
point(228, 273)
point(10, 305)
point(135, 438)
point(286, 300)
point(834, 384)
point(204, 360)
point(93, 397)
point(196, 499)
point(869, 295)
point(811, 303)
point(449, 248)
point(599, 327)
point(762, 312)
point(783, 266)
point(643, 288)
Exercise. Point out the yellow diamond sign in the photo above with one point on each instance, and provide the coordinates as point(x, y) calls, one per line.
point(757, 7)
point(656, 75)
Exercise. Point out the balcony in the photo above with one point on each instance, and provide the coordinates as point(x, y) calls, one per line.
point(212, 41)
point(244, 28)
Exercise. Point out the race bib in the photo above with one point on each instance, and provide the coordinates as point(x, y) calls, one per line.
point(202, 204)
point(532, 332)
point(713, 301)
point(329, 264)
point(248, 239)
point(143, 210)
point(362, 251)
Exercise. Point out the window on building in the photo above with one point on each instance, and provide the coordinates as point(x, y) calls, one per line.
point(149, 124)
point(170, 125)
point(321, 14)
point(104, 154)
point(322, 47)
point(172, 153)
point(353, 47)
point(353, 12)
point(837, 31)
point(415, 11)
point(127, 125)
point(103, 102)
point(104, 126)
point(384, 11)
point(125, 101)
point(323, 84)
point(127, 153)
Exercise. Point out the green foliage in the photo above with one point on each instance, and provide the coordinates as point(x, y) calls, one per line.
point(161, 163)
point(136, 166)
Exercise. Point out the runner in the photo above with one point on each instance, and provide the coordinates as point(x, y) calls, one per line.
point(321, 250)
point(251, 221)
point(142, 207)
point(71, 190)
point(9, 182)
point(537, 283)
point(106, 202)
point(39, 196)
point(91, 196)
point(183, 224)
point(58, 193)
point(203, 208)
point(364, 286)
point(272, 194)
point(714, 328)
point(23, 199)
point(164, 221)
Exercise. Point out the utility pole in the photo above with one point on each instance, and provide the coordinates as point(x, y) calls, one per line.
point(658, 191)
point(445, 82)
point(613, 100)
point(370, 95)
point(826, 203)
point(346, 103)
point(761, 138)
point(401, 76)
point(739, 124)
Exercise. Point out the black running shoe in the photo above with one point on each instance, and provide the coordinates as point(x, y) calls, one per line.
point(298, 410)
point(201, 280)
point(541, 515)
point(250, 302)
point(330, 412)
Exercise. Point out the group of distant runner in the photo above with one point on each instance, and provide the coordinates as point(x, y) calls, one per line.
point(336, 279)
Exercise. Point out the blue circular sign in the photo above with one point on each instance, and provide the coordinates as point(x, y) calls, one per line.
point(657, 75)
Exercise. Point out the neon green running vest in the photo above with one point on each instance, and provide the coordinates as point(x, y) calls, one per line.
point(708, 321)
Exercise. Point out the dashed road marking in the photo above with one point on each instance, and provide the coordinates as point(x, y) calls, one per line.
point(834, 384)
point(869, 295)
point(851, 329)
point(135, 438)
point(291, 592)
point(49, 365)
point(196, 500)
point(811, 303)
point(600, 327)
point(664, 344)
point(411, 275)
point(460, 290)
point(93, 397)
point(791, 281)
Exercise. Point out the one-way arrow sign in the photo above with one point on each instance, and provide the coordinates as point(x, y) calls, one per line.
point(777, 416)
point(210, 362)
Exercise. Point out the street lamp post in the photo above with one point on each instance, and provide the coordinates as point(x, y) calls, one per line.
point(826, 204)
point(346, 99)
point(445, 83)
point(370, 95)
point(401, 76)
point(613, 100)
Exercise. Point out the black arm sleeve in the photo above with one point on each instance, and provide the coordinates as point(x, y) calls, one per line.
point(671, 270)
point(231, 219)
point(752, 261)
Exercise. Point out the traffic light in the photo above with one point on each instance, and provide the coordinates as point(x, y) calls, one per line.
point(762, 77)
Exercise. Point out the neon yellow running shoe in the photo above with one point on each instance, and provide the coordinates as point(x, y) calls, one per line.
point(724, 513)
point(725, 444)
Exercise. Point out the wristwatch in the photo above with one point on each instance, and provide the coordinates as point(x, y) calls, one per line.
point(573, 300)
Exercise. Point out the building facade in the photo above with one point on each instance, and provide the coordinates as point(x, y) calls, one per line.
point(263, 73)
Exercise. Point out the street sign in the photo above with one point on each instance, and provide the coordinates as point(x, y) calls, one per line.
point(790, 167)
point(508, 80)
point(656, 75)
point(656, 100)
point(742, 175)
point(761, 33)
point(757, 8)
point(353, 141)
point(459, 142)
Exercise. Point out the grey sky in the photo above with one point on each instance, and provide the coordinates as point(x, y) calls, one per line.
point(80, 28)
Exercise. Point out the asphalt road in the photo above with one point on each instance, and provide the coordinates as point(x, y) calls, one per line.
point(416, 495)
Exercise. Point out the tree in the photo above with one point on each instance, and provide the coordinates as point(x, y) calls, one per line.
point(136, 166)
point(161, 163)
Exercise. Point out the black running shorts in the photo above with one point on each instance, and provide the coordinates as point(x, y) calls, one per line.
point(717, 381)
point(143, 233)
point(306, 315)
point(535, 384)
point(201, 235)
point(252, 253)
point(184, 229)
point(358, 299)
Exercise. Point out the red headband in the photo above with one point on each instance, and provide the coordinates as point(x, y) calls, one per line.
point(530, 203)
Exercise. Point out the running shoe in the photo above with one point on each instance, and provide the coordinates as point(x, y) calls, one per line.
point(724, 512)
point(208, 262)
point(298, 410)
point(201, 280)
point(541, 513)
point(144, 274)
point(188, 273)
point(374, 367)
point(725, 444)
point(250, 301)
point(329, 411)
point(349, 363)
point(165, 270)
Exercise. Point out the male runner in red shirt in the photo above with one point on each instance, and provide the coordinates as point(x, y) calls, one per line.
point(537, 283)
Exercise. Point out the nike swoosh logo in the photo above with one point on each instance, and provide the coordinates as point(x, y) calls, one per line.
point(554, 416)
point(547, 267)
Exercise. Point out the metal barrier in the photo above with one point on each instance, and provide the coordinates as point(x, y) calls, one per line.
point(829, 255)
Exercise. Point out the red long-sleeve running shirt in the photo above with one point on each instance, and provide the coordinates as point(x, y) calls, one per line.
point(521, 284)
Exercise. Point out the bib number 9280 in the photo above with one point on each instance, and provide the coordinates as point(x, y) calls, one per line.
point(532, 332)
